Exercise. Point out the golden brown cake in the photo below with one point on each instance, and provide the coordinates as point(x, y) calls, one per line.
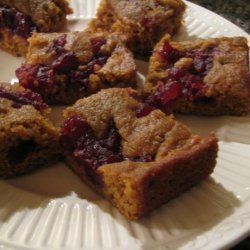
point(64, 67)
point(20, 18)
point(203, 77)
point(144, 22)
point(131, 153)
point(28, 140)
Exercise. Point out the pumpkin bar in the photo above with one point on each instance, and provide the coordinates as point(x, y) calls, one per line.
point(202, 77)
point(20, 18)
point(63, 67)
point(28, 140)
point(144, 22)
point(132, 153)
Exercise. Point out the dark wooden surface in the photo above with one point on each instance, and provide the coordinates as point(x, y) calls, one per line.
point(238, 12)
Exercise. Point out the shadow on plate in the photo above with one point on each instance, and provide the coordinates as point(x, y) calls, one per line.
point(181, 220)
point(173, 225)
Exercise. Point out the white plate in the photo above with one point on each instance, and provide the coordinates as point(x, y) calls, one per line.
point(53, 209)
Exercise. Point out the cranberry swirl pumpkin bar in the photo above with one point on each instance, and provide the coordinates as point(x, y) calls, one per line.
point(144, 22)
point(203, 77)
point(20, 18)
point(131, 153)
point(63, 67)
point(28, 140)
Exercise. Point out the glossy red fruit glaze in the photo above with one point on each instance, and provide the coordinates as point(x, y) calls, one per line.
point(144, 109)
point(97, 43)
point(21, 98)
point(16, 21)
point(169, 54)
point(38, 78)
point(59, 43)
point(65, 63)
point(90, 152)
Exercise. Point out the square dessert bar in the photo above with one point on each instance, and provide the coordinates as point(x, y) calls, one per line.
point(28, 140)
point(63, 67)
point(144, 22)
point(203, 77)
point(131, 153)
point(20, 18)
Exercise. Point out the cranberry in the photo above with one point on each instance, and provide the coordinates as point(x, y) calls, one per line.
point(79, 138)
point(18, 22)
point(59, 43)
point(202, 60)
point(20, 98)
point(73, 131)
point(65, 63)
point(39, 78)
point(169, 54)
point(97, 43)
point(143, 110)
point(78, 81)
point(100, 61)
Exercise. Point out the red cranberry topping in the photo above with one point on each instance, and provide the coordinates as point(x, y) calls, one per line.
point(65, 63)
point(97, 43)
point(79, 81)
point(59, 43)
point(143, 110)
point(26, 97)
point(80, 77)
point(169, 54)
point(182, 82)
point(202, 61)
point(38, 78)
point(18, 22)
point(78, 138)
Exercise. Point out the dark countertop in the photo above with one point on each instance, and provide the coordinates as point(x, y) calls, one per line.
point(238, 12)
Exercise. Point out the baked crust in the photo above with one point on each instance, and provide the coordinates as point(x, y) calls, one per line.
point(179, 159)
point(144, 22)
point(225, 84)
point(28, 139)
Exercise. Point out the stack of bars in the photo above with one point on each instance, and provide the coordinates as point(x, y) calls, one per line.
point(119, 137)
